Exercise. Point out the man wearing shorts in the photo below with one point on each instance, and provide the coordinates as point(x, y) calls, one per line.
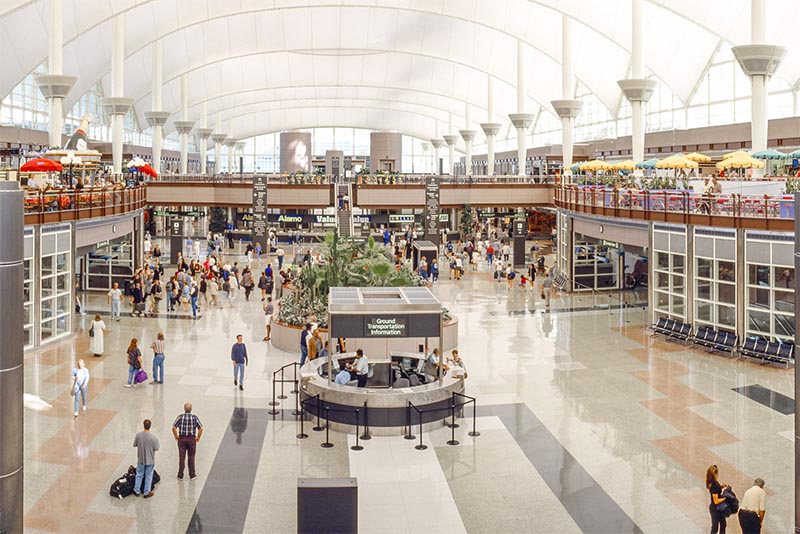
point(269, 310)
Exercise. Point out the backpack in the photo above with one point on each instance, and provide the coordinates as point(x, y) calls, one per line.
point(731, 503)
point(170, 286)
point(203, 286)
point(226, 286)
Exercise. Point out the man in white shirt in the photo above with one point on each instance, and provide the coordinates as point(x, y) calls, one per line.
point(359, 369)
point(752, 508)
point(115, 300)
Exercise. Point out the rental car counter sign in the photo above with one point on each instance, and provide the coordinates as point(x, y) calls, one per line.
point(386, 326)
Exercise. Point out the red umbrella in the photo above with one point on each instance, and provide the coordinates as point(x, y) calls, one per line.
point(148, 170)
point(41, 165)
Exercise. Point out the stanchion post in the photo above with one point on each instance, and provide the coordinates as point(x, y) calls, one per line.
point(327, 444)
point(357, 447)
point(474, 432)
point(296, 395)
point(317, 428)
point(366, 436)
point(282, 395)
point(273, 402)
point(409, 435)
point(453, 425)
point(294, 368)
point(420, 447)
point(302, 434)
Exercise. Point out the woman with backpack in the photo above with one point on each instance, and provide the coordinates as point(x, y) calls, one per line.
point(715, 489)
point(134, 362)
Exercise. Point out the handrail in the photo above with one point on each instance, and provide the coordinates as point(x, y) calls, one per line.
point(677, 205)
point(55, 205)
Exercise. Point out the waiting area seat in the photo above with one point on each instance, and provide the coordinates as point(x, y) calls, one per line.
point(774, 351)
point(673, 328)
point(718, 340)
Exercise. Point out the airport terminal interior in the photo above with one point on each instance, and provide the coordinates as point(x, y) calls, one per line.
point(500, 266)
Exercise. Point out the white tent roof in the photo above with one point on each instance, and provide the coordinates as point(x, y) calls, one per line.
point(267, 65)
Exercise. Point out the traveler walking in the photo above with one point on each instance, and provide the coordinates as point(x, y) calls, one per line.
point(194, 293)
point(213, 289)
point(96, 334)
point(187, 430)
point(304, 343)
point(715, 489)
point(752, 508)
point(115, 300)
point(269, 311)
point(239, 360)
point(280, 253)
point(547, 289)
point(80, 384)
point(156, 292)
point(146, 446)
point(158, 359)
point(247, 283)
point(134, 362)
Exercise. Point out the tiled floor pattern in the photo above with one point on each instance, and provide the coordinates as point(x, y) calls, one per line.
point(640, 416)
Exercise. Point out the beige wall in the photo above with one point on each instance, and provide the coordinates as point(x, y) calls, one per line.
point(385, 146)
point(611, 232)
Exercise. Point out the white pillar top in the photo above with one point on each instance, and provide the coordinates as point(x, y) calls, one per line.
point(118, 56)
point(520, 76)
point(637, 40)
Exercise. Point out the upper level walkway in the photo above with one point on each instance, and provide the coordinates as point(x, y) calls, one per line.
point(764, 212)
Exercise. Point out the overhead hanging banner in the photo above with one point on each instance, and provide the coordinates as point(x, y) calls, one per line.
point(260, 209)
point(432, 209)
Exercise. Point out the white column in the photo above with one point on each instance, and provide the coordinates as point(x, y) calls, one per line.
point(117, 88)
point(184, 117)
point(759, 60)
point(637, 89)
point(567, 93)
point(490, 128)
point(157, 124)
point(55, 67)
point(203, 139)
point(451, 145)
point(467, 134)
point(521, 94)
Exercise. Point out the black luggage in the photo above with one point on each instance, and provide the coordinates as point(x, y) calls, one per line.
point(123, 486)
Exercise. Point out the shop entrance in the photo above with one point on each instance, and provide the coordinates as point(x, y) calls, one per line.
point(598, 264)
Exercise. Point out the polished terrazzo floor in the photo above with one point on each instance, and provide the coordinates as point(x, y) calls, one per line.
point(587, 424)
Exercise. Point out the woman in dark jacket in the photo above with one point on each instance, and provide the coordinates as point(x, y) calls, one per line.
point(715, 489)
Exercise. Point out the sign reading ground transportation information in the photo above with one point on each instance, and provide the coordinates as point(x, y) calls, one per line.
point(260, 208)
point(432, 209)
point(385, 326)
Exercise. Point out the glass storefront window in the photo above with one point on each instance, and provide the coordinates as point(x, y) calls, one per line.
point(770, 288)
point(55, 279)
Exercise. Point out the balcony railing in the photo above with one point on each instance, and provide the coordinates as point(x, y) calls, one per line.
point(55, 205)
point(362, 179)
point(773, 212)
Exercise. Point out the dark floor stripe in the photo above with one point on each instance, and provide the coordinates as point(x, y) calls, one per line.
point(772, 399)
point(590, 506)
point(222, 507)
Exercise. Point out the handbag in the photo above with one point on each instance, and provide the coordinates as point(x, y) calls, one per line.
point(74, 389)
point(140, 377)
point(91, 331)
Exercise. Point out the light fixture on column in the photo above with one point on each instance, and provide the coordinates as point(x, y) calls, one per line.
point(55, 86)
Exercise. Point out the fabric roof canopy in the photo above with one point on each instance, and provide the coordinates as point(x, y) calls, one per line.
point(381, 64)
point(596, 165)
point(698, 157)
point(740, 161)
point(676, 162)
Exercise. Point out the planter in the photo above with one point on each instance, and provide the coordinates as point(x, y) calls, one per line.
point(287, 338)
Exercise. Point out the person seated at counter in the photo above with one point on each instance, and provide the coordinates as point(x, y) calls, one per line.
point(359, 369)
point(342, 377)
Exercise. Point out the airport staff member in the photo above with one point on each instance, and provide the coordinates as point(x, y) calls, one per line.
point(752, 508)
point(359, 369)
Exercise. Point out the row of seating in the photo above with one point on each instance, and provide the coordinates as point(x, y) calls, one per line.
point(768, 350)
point(716, 339)
point(723, 341)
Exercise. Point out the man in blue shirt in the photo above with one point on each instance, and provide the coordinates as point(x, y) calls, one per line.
point(342, 377)
point(239, 360)
point(304, 343)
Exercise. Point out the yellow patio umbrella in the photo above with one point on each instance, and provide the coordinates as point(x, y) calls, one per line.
point(698, 157)
point(596, 165)
point(736, 153)
point(676, 162)
point(627, 165)
point(740, 161)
